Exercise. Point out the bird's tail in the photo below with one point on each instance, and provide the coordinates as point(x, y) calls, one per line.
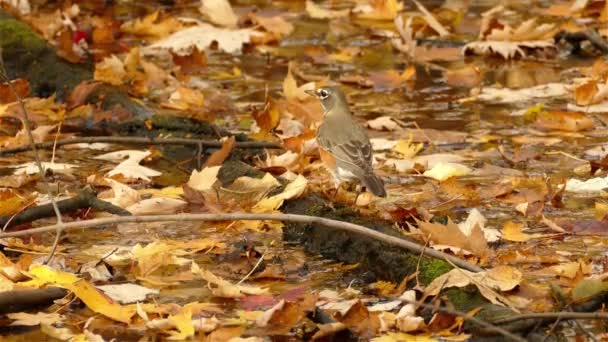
point(374, 184)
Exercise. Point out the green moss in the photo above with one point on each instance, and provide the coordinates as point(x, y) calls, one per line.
point(431, 269)
point(29, 56)
point(14, 33)
point(466, 298)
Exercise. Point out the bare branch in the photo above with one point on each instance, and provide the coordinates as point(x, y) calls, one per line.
point(139, 140)
point(345, 226)
point(41, 170)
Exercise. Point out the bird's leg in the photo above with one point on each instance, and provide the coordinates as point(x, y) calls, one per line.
point(337, 185)
point(359, 189)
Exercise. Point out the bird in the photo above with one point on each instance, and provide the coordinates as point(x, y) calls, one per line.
point(344, 146)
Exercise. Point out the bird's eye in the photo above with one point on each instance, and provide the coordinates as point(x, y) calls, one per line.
point(323, 94)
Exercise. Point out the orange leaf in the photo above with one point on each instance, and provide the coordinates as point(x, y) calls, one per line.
point(218, 157)
point(21, 87)
point(584, 93)
point(565, 121)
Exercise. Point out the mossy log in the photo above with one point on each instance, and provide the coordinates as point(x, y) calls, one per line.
point(27, 55)
point(376, 260)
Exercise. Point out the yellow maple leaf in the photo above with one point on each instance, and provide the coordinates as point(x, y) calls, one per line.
point(85, 291)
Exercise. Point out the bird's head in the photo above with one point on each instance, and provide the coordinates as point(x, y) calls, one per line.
point(330, 98)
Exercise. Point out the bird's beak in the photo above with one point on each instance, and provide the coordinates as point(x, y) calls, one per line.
point(310, 92)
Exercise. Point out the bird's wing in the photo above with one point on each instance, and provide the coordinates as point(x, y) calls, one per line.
point(351, 147)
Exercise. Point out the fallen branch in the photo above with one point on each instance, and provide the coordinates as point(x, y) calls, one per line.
point(553, 315)
point(344, 226)
point(139, 140)
point(21, 300)
point(86, 198)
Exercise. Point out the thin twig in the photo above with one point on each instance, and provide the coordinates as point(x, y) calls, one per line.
point(139, 140)
point(467, 317)
point(41, 171)
point(345, 226)
point(254, 267)
point(553, 315)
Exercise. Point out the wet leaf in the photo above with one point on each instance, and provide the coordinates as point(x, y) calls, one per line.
point(318, 12)
point(219, 12)
point(86, 292)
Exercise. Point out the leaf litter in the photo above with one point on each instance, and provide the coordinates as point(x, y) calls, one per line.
point(455, 132)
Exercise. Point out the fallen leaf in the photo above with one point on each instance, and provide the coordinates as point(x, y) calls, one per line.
point(512, 231)
point(432, 21)
point(317, 12)
point(201, 36)
point(111, 70)
point(218, 157)
point(86, 292)
point(597, 184)
point(505, 95)
point(451, 235)
point(127, 293)
point(19, 86)
point(27, 319)
point(194, 62)
point(223, 288)
point(379, 10)
point(151, 25)
point(489, 282)
point(31, 168)
point(219, 12)
point(156, 206)
point(565, 121)
point(444, 171)
point(183, 323)
point(185, 99)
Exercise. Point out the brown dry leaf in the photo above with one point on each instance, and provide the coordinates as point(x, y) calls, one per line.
point(451, 235)
point(514, 232)
point(489, 282)
point(27, 319)
point(11, 202)
point(570, 270)
point(439, 54)
point(219, 12)
point(599, 69)
point(218, 157)
point(155, 255)
point(276, 26)
point(283, 316)
point(20, 86)
point(223, 288)
point(509, 42)
point(585, 93)
point(290, 87)
point(194, 62)
point(379, 10)
point(185, 99)
point(40, 134)
point(111, 70)
point(392, 79)
point(327, 330)
point(432, 21)
point(360, 320)
point(267, 119)
point(151, 25)
point(202, 36)
point(564, 121)
point(317, 12)
point(468, 77)
point(79, 95)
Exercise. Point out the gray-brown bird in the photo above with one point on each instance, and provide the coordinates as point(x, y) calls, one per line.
point(344, 146)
